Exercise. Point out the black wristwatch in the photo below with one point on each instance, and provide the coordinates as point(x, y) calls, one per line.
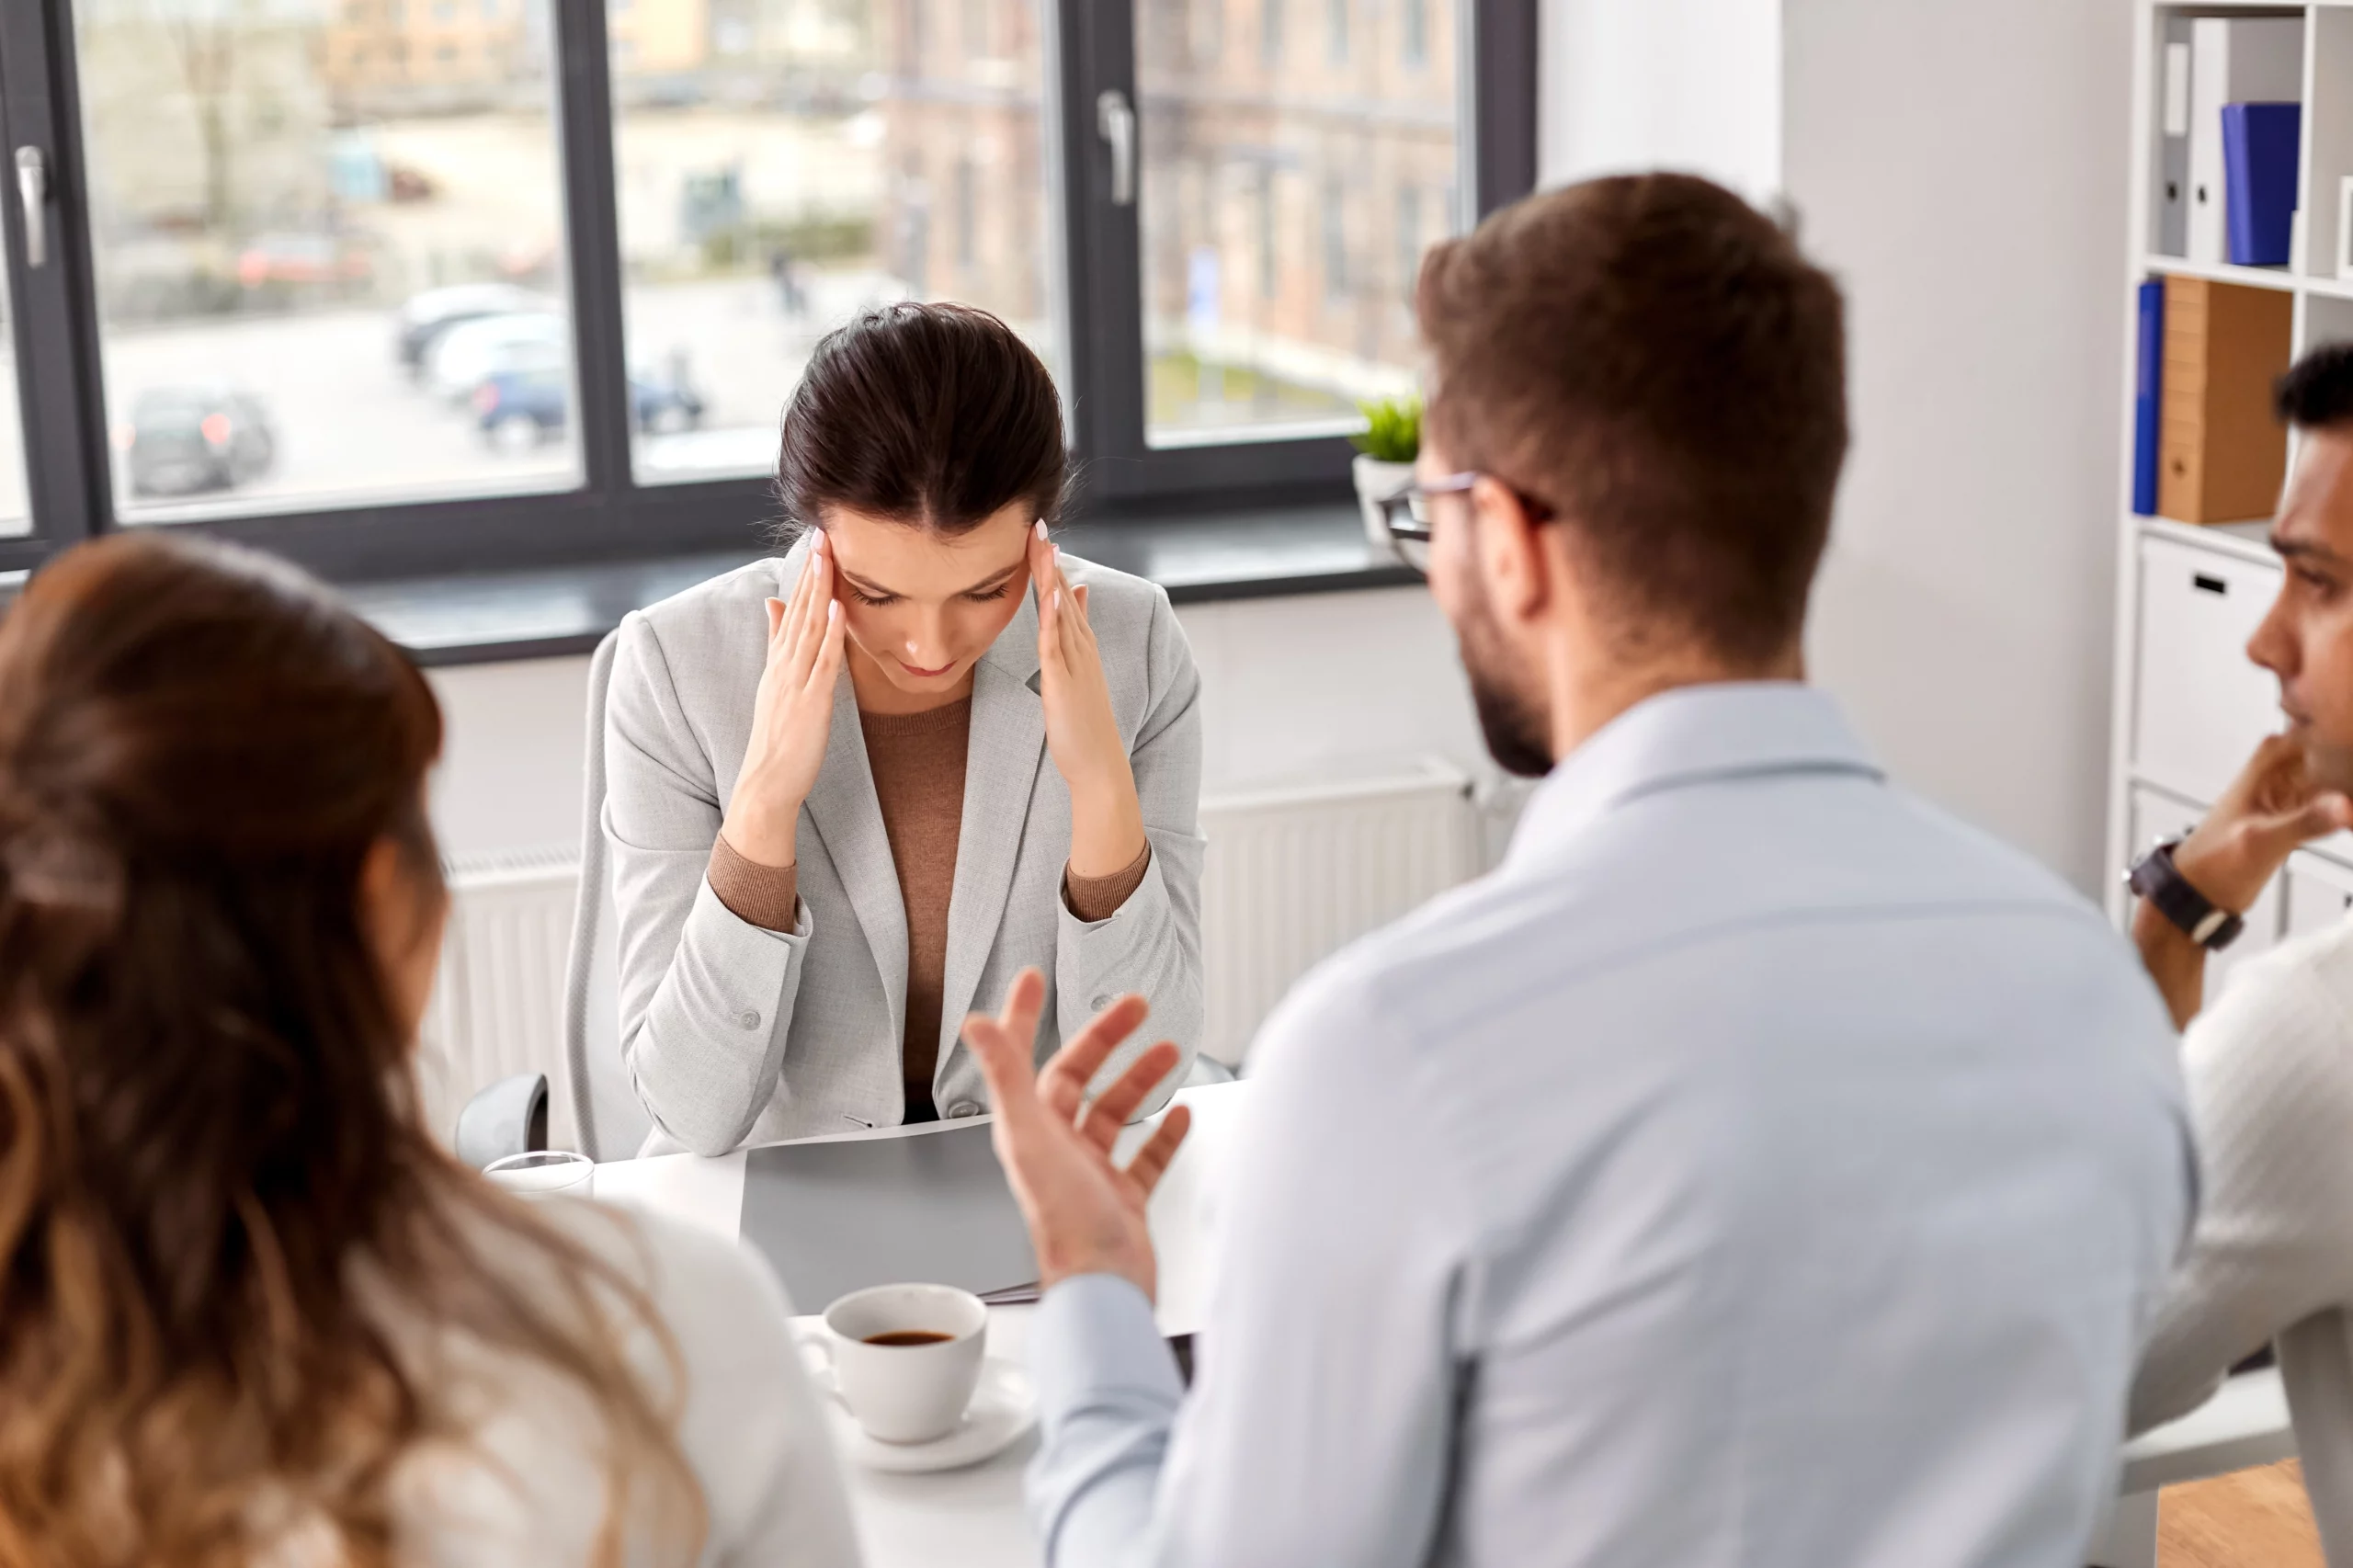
point(2159, 881)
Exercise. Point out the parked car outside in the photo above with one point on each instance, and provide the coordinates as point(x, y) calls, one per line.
point(423, 318)
point(180, 440)
point(521, 409)
point(470, 353)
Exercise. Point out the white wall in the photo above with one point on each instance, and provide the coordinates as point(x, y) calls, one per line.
point(1316, 687)
point(1961, 165)
point(1691, 85)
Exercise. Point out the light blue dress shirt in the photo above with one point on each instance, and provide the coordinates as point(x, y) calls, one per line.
point(1760, 1167)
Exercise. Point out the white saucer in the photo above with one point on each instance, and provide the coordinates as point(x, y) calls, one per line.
point(1003, 1406)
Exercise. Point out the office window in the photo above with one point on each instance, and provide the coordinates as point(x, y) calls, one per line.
point(364, 286)
point(1278, 331)
point(753, 223)
point(297, 267)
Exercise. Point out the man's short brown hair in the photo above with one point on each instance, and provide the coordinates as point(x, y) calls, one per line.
point(1654, 360)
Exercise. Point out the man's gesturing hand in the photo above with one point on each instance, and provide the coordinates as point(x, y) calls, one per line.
point(1085, 1214)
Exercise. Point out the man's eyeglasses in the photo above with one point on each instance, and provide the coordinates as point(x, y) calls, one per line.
point(1406, 513)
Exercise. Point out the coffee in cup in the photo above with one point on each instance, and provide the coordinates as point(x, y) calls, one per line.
point(907, 1357)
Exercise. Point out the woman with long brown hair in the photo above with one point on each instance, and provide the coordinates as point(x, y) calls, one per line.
point(249, 1312)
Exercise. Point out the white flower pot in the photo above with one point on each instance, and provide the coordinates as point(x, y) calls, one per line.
point(1375, 481)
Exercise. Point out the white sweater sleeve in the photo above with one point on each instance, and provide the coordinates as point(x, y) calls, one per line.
point(2270, 1068)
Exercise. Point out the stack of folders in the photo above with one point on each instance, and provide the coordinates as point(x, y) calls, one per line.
point(2206, 448)
point(2230, 121)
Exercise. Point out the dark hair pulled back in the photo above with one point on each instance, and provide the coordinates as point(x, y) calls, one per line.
point(932, 414)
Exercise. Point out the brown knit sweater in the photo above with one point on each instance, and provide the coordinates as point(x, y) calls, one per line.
point(917, 760)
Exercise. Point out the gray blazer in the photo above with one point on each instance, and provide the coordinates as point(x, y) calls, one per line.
point(732, 1034)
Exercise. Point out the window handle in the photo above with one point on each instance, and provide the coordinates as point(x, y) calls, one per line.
point(1115, 121)
point(32, 191)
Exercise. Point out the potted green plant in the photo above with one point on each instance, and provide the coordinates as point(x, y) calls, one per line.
point(1391, 439)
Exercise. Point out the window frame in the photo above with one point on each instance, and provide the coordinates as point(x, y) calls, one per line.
point(1090, 49)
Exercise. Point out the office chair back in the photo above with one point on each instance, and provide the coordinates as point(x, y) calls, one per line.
point(610, 1123)
point(2316, 1367)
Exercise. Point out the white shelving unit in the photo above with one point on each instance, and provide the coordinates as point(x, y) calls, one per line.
point(2189, 705)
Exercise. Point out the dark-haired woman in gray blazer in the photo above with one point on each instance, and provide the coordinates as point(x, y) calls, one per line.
point(855, 790)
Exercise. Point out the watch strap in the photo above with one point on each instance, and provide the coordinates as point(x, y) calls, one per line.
point(2160, 881)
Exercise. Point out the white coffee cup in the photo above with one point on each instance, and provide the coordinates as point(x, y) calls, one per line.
point(917, 1389)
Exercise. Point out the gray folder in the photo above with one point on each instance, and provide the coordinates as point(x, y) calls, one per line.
point(931, 1206)
point(2174, 57)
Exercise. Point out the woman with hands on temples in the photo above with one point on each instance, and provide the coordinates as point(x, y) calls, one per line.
point(856, 788)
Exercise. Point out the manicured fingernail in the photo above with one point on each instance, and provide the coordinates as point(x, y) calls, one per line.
point(1041, 528)
point(833, 611)
point(1057, 600)
point(1058, 556)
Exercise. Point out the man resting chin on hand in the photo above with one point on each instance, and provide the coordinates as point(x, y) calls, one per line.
point(2269, 1063)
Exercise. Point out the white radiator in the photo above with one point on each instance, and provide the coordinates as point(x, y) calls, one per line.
point(1295, 874)
point(499, 1007)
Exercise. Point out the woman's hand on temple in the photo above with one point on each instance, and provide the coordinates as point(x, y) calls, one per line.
point(792, 716)
point(1107, 823)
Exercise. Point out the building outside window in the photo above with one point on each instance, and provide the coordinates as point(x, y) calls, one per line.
point(1336, 239)
point(1409, 240)
point(352, 261)
point(1288, 345)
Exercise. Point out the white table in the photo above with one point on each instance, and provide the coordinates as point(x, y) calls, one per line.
point(973, 1517)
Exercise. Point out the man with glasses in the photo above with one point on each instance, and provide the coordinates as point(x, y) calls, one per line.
point(1760, 1167)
